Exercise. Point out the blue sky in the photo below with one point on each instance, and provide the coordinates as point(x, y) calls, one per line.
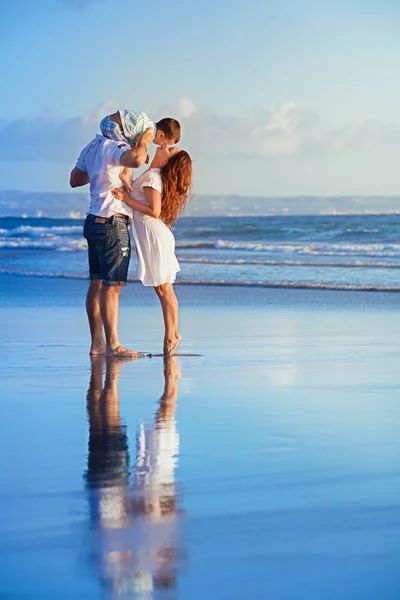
point(275, 98)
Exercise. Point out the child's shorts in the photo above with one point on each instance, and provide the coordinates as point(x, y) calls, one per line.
point(133, 124)
point(112, 130)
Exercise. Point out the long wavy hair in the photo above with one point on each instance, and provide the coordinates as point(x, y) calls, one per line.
point(177, 178)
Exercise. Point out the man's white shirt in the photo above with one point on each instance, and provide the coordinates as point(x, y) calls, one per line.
point(100, 159)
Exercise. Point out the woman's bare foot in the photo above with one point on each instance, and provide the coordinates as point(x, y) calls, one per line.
point(171, 345)
point(172, 368)
point(122, 352)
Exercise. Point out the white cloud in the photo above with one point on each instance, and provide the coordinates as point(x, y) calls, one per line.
point(186, 108)
point(284, 131)
point(267, 132)
point(53, 140)
point(287, 130)
point(369, 137)
point(106, 107)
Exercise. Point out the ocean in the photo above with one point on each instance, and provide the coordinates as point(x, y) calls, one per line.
point(360, 252)
point(262, 462)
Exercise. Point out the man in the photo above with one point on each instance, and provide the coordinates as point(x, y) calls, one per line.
point(106, 230)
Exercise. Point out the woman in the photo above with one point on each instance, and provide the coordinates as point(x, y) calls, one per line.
point(157, 198)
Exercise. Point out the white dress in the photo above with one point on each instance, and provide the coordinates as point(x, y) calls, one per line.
point(155, 242)
point(157, 452)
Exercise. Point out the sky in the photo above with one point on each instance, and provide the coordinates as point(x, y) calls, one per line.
point(275, 97)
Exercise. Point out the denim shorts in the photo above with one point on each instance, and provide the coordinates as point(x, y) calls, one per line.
point(109, 248)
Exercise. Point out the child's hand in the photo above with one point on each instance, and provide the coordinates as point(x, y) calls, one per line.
point(121, 194)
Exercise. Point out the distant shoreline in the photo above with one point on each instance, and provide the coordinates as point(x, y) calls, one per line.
point(216, 215)
point(64, 205)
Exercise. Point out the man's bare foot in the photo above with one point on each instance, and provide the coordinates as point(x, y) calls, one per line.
point(171, 345)
point(125, 177)
point(97, 349)
point(116, 361)
point(122, 352)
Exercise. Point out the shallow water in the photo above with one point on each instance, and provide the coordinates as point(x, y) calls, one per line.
point(267, 467)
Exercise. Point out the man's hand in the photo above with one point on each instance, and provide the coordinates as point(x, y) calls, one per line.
point(137, 156)
point(145, 138)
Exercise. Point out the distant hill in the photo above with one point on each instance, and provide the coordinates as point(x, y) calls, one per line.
point(75, 205)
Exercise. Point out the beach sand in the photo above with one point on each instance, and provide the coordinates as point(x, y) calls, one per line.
point(270, 468)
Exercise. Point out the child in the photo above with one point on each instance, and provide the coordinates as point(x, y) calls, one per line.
point(126, 125)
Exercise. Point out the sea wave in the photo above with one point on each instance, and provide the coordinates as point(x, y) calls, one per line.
point(54, 244)
point(291, 263)
point(56, 238)
point(30, 231)
point(223, 283)
point(361, 255)
point(284, 241)
point(322, 249)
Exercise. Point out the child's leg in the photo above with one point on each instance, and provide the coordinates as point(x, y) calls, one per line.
point(116, 118)
point(125, 177)
point(112, 129)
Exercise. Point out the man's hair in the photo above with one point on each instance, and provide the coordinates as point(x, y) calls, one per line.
point(171, 128)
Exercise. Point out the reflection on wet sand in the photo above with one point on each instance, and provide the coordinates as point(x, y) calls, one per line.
point(134, 514)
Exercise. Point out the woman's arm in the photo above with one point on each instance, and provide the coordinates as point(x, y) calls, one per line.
point(153, 197)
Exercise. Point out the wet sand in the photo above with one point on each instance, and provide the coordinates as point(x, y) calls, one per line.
point(266, 467)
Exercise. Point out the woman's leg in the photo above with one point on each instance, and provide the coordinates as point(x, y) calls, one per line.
point(170, 308)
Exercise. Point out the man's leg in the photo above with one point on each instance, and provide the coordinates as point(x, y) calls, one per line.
point(94, 393)
point(98, 345)
point(109, 308)
point(90, 232)
point(113, 251)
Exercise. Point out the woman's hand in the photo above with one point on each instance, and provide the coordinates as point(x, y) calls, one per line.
point(153, 197)
point(121, 194)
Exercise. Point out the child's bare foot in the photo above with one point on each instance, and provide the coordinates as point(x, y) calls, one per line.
point(171, 345)
point(125, 177)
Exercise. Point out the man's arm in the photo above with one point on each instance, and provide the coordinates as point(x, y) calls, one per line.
point(78, 178)
point(136, 157)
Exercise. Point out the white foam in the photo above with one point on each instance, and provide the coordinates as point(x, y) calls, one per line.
point(35, 232)
point(303, 248)
point(255, 284)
